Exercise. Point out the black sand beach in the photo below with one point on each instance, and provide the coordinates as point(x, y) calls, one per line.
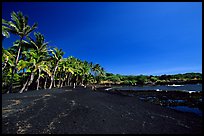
point(83, 111)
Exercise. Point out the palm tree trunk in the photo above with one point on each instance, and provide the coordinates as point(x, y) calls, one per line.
point(11, 84)
point(24, 68)
point(14, 70)
point(59, 83)
point(31, 80)
point(68, 79)
point(82, 80)
point(65, 83)
point(62, 83)
point(74, 85)
point(51, 82)
point(19, 50)
point(61, 79)
point(38, 80)
point(76, 80)
point(23, 88)
point(45, 83)
point(28, 82)
point(52, 77)
point(54, 81)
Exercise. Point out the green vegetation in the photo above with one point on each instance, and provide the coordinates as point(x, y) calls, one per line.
point(154, 80)
point(32, 64)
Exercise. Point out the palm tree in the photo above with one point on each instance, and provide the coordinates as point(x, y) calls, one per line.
point(63, 71)
point(57, 56)
point(86, 78)
point(77, 70)
point(98, 72)
point(41, 52)
point(18, 26)
point(25, 64)
point(7, 64)
point(60, 71)
point(7, 58)
point(5, 28)
point(69, 68)
point(37, 62)
point(46, 75)
point(32, 65)
point(39, 55)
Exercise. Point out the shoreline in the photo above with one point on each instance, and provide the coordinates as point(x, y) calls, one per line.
point(187, 101)
point(85, 111)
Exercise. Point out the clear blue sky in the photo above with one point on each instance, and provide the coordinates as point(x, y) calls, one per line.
point(125, 38)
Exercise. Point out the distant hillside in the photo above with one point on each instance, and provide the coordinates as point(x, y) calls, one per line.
point(144, 79)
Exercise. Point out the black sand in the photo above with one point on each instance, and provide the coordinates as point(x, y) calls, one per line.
point(82, 111)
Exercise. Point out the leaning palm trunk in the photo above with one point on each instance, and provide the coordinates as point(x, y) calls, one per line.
point(38, 80)
point(23, 88)
point(31, 80)
point(27, 83)
point(52, 77)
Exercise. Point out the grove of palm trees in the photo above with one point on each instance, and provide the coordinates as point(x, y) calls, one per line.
point(32, 64)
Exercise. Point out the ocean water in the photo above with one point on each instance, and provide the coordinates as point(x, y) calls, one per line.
point(187, 109)
point(187, 87)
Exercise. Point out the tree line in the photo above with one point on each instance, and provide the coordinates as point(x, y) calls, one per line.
point(157, 80)
point(31, 63)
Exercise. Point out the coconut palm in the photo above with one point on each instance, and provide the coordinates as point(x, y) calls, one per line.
point(30, 60)
point(5, 28)
point(86, 78)
point(70, 68)
point(7, 58)
point(29, 72)
point(60, 71)
point(7, 64)
point(32, 66)
point(41, 52)
point(65, 70)
point(46, 75)
point(57, 56)
point(39, 56)
point(98, 72)
point(77, 71)
point(18, 26)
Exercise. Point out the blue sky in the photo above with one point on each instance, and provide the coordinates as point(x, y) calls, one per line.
point(149, 38)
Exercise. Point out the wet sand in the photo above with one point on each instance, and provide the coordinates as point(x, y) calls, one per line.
point(83, 111)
